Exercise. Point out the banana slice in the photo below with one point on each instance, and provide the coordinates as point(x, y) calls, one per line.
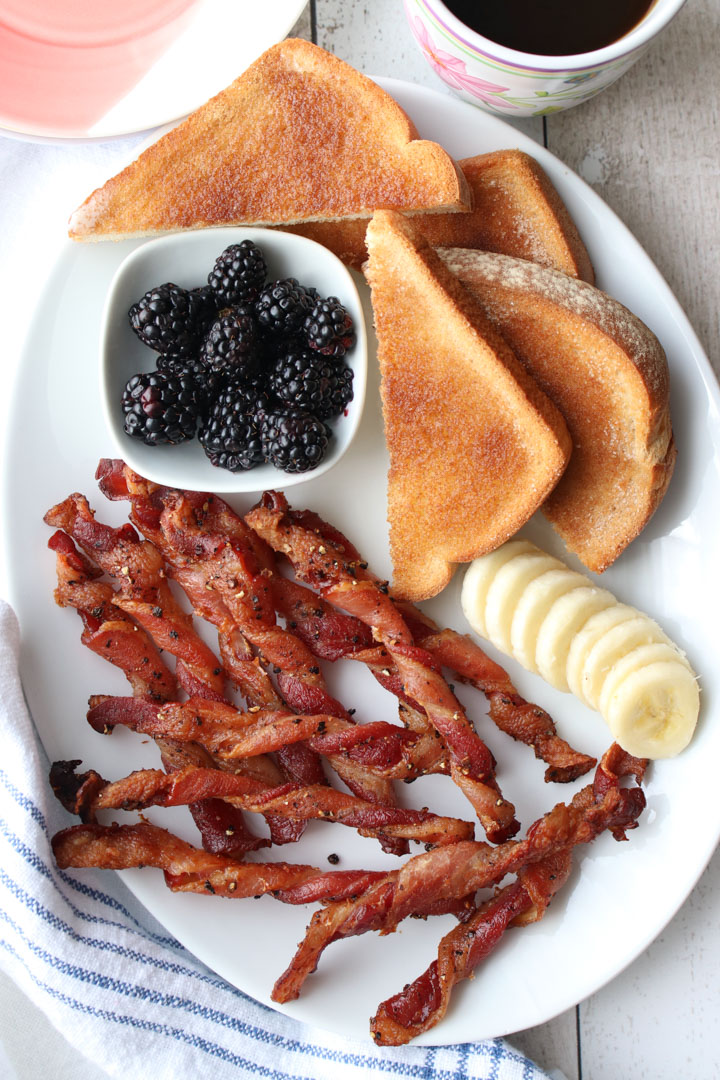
point(653, 711)
point(505, 590)
point(612, 646)
point(531, 609)
point(585, 638)
point(567, 616)
point(632, 661)
point(479, 576)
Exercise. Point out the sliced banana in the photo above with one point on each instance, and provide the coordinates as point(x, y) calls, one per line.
point(505, 591)
point(633, 661)
point(479, 576)
point(653, 711)
point(584, 640)
point(533, 606)
point(567, 616)
point(612, 646)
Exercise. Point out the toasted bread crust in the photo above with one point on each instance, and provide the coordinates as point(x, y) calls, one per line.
point(516, 211)
point(475, 447)
point(299, 136)
point(608, 375)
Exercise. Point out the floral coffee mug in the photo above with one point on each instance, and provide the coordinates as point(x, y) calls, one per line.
point(512, 83)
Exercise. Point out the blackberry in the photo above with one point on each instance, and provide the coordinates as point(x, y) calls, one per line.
point(208, 382)
point(328, 328)
point(232, 435)
point(294, 440)
point(169, 319)
point(311, 382)
point(208, 308)
point(238, 274)
point(282, 306)
point(162, 408)
point(231, 346)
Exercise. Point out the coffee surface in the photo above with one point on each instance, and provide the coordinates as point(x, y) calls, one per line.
point(551, 27)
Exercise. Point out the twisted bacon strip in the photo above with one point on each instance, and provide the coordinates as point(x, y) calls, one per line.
point(188, 869)
point(510, 712)
point(347, 585)
point(107, 630)
point(111, 633)
point(424, 1002)
point(144, 594)
point(88, 793)
point(118, 482)
point(463, 868)
point(212, 552)
point(231, 735)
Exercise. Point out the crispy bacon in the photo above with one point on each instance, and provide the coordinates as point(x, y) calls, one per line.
point(467, 867)
point(461, 655)
point(421, 1004)
point(212, 551)
point(324, 564)
point(144, 593)
point(194, 575)
point(230, 734)
point(189, 869)
point(111, 633)
point(88, 793)
point(108, 631)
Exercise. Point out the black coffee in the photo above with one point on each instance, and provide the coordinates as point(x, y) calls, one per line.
point(551, 27)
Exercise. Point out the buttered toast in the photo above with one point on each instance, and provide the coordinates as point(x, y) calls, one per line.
point(475, 447)
point(608, 375)
point(299, 136)
point(516, 211)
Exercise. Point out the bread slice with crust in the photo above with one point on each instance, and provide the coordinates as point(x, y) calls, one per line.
point(607, 374)
point(516, 211)
point(299, 136)
point(475, 447)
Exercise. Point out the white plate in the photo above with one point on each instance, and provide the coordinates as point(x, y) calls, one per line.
point(98, 91)
point(620, 896)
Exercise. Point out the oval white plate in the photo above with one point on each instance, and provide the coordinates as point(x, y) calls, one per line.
point(186, 259)
point(620, 896)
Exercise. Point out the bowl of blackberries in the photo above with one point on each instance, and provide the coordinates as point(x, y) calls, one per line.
point(233, 359)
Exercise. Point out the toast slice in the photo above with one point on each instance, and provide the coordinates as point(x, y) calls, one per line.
point(608, 375)
point(475, 447)
point(299, 136)
point(516, 211)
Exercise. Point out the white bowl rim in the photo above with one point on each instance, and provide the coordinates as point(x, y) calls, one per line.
point(655, 19)
point(222, 481)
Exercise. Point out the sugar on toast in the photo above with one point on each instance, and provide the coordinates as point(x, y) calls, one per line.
point(475, 447)
point(608, 375)
point(516, 211)
point(300, 135)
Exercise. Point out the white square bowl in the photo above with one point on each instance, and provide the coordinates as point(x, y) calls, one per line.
point(186, 259)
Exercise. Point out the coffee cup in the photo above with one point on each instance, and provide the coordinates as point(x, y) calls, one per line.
point(514, 83)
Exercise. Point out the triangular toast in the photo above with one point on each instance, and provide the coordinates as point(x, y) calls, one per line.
point(299, 136)
point(608, 375)
point(516, 211)
point(475, 447)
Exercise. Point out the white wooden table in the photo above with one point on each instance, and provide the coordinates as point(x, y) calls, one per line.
point(650, 146)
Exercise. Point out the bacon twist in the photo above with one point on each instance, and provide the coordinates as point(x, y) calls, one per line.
point(88, 793)
point(467, 867)
point(113, 634)
point(188, 869)
point(323, 564)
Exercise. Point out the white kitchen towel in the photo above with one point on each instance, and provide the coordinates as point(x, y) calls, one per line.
point(128, 995)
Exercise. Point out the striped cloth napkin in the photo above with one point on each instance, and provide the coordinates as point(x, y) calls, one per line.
point(129, 996)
